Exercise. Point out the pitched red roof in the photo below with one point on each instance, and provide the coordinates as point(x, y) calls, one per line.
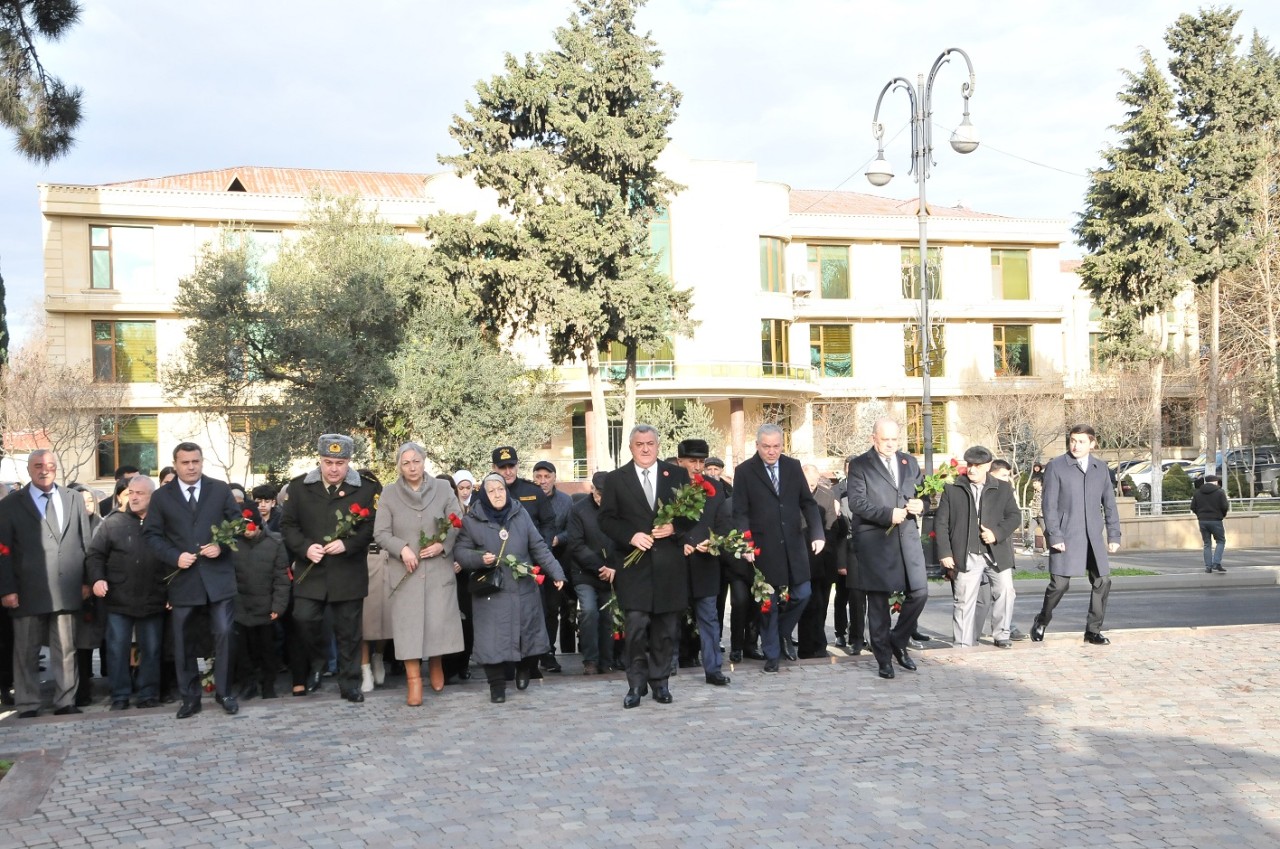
point(290, 182)
point(857, 203)
point(1070, 266)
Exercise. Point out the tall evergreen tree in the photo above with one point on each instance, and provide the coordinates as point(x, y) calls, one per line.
point(1219, 103)
point(569, 141)
point(36, 105)
point(1135, 239)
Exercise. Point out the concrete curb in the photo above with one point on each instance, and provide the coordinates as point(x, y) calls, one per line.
point(1246, 576)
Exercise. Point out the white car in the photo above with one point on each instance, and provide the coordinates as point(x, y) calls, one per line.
point(1141, 475)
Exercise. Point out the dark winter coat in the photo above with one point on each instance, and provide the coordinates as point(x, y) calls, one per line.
point(775, 518)
point(309, 515)
point(171, 529)
point(1077, 506)
point(262, 578)
point(957, 534)
point(705, 569)
point(509, 624)
point(888, 557)
point(133, 571)
point(589, 548)
point(1210, 503)
point(658, 582)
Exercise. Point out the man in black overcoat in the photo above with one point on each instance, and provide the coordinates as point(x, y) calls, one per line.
point(704, 569)
point(770, 495)
point(653, 591)
point(179, 529)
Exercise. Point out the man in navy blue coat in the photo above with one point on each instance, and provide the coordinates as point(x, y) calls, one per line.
point(179, 528)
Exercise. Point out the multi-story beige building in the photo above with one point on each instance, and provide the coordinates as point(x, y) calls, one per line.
point(805, 302)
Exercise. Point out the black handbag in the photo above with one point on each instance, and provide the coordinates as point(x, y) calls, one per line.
point(488, 581)
point(485, 582)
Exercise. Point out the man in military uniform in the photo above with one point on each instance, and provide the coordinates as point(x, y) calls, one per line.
point(327, 525)
point(538, 505)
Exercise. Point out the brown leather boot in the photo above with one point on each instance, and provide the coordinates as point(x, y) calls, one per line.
point(435, 668)
point(413, 674)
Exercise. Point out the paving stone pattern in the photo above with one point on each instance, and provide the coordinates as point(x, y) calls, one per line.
point(1166, 738)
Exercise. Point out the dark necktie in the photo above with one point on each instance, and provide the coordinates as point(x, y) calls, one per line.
point(50, 514)
point(773, 478)
point(333, 490)
point(648, 487)
point(191, 499)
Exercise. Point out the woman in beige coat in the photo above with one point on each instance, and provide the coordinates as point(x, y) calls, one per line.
point(425, 621)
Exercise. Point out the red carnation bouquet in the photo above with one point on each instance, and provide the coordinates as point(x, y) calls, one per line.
point(443, 526)
point(735, 543)
point(520, 569)
point(225, 534)
point(347, 523)
point(932, 484)
point(762, 591)
point(687, 502)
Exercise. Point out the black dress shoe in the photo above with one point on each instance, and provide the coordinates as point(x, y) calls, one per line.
point(189, 708)
point(300, 693)
point(662, 695)
point(67, 710)
point(354, 696)
point(841, 642)
point(789, 649)
point(269, 691)
point(522, 679)
point(754, 654)
point(6, 697)
point(904, 659)
point(465, 675)
point(717, 679)
point(229, 704)
point(735, 657)
point(856, 648)
point(1096, 639)
point(886, 670)
point(249, 691)
point(29, 714)
point(121, 704)
point(1037, 630)
point(83, 700)
point(147, 704)
point(917, 635)
point(313, 682)
point(497, 697)
point(631, 699)
point(770, 666)
point(550, 664)
point(1004, 644)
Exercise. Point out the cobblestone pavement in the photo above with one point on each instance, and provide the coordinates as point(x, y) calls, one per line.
point(1165, 738)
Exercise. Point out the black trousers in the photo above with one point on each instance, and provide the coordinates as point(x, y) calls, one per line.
point(222, 616)
point(1058, 585)
point(851, 613)
point(743, 629)
point(651, 644)
point(348, 618)
point(6, 650)
point(256, 660)
point(883, 640)
point(812, 638)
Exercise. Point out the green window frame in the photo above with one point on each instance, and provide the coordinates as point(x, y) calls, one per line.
point(915, 427)
point(124, 352)
point(1010, 274)
point(128, 440)
point(775, 346)
point(1011, 348)
point(830, 267)
point(772, 268)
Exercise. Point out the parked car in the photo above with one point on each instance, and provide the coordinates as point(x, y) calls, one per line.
point(1141, 475)
point(1259, 464)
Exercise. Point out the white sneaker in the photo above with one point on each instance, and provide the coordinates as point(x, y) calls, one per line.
point(366, 678)
point(379, 671)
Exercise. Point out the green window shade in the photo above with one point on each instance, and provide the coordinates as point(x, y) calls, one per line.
point(830, 263)
point(135, 351)
point(1010, 275)
point(831, 350)
point(771, 267)
point(140, 429)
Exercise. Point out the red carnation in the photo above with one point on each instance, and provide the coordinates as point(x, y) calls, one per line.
point(539, 578)
point(955, 462)
point(708, 489)
point(932, 534)
point(746, 534)
point(962, 470)
point(766, 605)
point(756, 552)
point(364, 512)
point(4, 550)
point(454, 520)
point(248, 514)
point(536, 569)
point(250, 528)
point(355, 509)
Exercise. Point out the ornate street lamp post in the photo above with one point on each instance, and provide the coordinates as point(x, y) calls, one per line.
point(879, 173)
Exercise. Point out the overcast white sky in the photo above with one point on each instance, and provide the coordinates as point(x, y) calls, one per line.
point(790, 84)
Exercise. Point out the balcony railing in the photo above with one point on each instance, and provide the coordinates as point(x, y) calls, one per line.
point(674, 370)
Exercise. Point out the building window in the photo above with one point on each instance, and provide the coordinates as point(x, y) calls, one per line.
point(831, 350)
point(915, 427)
point(1177, 421)
point(1011, 345)
point(772, 276)
point(779, 414)
point(775, 346)
point(128, 441)
point(660, 241)
point(1010, 275)
point(651, 363)
point(829, 265)
point(121, 257)
point(578, 427)
point(911, 351)
point(124, 351)
point(911, 273)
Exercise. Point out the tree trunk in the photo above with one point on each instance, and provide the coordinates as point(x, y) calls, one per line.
point(1211, 402)
point(629, 394)
point(1157, 432)
point(603, 460)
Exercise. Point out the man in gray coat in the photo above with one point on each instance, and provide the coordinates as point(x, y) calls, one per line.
point(1077, 499)
point(43, 533)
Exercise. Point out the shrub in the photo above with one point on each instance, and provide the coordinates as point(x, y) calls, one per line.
point(1177, 484)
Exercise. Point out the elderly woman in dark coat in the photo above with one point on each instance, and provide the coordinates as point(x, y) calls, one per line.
point(509, 625)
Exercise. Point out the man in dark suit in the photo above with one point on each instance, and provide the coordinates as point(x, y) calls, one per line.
point(1078, 500)
point(770, 497)
point(331, 567)
point(812, 639)
point(43, 533)
point(881, 489)
point(704, 568)
point(654, 591)
point(179, 529)
point(977, 515)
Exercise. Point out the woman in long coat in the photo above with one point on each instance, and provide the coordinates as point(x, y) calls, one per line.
point(509, 624)
point(425, 621)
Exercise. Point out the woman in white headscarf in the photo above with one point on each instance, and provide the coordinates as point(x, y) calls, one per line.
point(425, 621)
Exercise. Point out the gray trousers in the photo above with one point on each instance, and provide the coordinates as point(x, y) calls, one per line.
point(58, 632)
point(964, 592)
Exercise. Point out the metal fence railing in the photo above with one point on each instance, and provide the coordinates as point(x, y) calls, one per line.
point(1174, 508)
